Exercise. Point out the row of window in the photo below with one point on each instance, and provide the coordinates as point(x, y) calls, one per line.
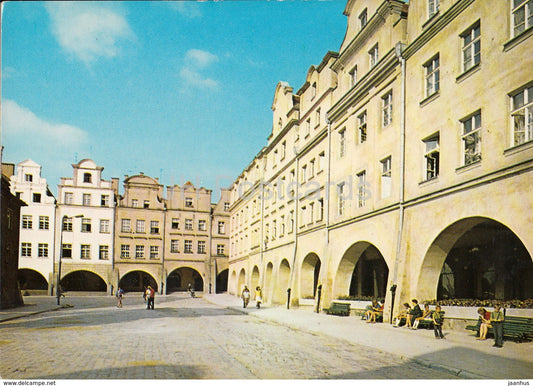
point(27, 222)
point(36, 197)
point(126, 226)
point(85, 251)
point(174, 248)
point(86, 199)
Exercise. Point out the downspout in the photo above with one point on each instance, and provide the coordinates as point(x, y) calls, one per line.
point(296, 215)
point(398, 50)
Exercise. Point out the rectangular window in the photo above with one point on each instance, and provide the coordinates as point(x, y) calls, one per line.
point(104, 226)
point(353, 76)
point(25, 249)
point(361, 191)
point(433, 8)
point(363, 18)
point(187, 247)
point(432, 74)
point(311, 213)
point(321, 161)
point(221, 228)
point(522, 116)
point(85, 252)
point(341, 199)
point(307, 127)
point(154, 227)
point(146, 204)
point(282, 226)
point(362, 127)
point(66, 251)
point(386, 102)
point(85, 224)
point(220, 250)
point(226, 207)
point(374, 56)
point(432, 156)
point(28, 177)
point(202, 225)
point(67, 224)
point(317, 117)
point(126, 225)
point(304, 173)
point(188, 202)
point(291, 221)
point(139, 226)
point(27, 221)
point(342, 143)
point(175, 223)
point(86, 199)
point(312, 168)
point(471, 138)
point(135, 203)
point(124, 251)
point(174, 246)
point(471, 47)
point(188, 224)
point(320, 209)
point(86, 177)
point(69, 198)
point(201, 247)
point(104, 200)
point(139, 251)
point(36, 197)
point(104, 252)
point(522, 16)
point(154, 252)
point(386, 177)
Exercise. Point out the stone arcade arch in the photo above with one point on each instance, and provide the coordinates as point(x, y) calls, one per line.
point(476, 258)
point(137, 281)
point(30, 279)
point(267, 290)
point(254, 279)
point(242, 281)
point(222, 281)
point(182, 277)
point(83, 281)
point(362, 272)
point(309, 276)
point(284, 275)
point(234, 282)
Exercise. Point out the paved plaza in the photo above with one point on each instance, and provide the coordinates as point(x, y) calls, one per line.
point(214, 338)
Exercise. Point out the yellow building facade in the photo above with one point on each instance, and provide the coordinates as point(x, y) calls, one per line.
point(402, 167)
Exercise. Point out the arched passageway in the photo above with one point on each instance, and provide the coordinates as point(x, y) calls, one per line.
point(30, 279)
point(242, 281)
point(234, 282)
point(182, 277)
point(83, 281)
point(222, 281)
point(477, 258)
point(362, 273)
point(137, 281)
point(309, 276)
point(267, 290)
point(255, 278)
point(284, 276)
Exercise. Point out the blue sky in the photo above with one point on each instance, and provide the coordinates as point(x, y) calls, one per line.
point(178, 90)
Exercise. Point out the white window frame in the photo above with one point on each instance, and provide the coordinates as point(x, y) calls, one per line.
point(140, 226)
point(521, 9)
point(432, 75)
point(104, 226)
point(221, 249)
point(362, 126)
point(386, 177)
point(69, 198)
point(189, 224)
point(139, 251)
point(103, 252)
point(187, 246)
point(67, 225)
point(363, 18)
point(471, 136)
point(43, 250)
point(374, 56)
point(154, 227)
point(342, 142)
point(202, 247)
point(341, 201)
point(174, 246)
point(202, 225)
point(124, 251)
point(361, 189)
point(154, 252)
point(522, 116)
point(25, 249)
point(27, 221)
point(104, 200)
point(386, 109)
point(86, 226)
point(86, 199)
point(66, 251)
point(471, 50)
point(125, 225)
point(85, 252)
point(432, 157)
point(433, 8)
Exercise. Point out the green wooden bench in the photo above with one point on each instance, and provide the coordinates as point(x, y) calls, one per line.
point(339, 309)
point(516, 328)
point(423, 323)
point(360, 312)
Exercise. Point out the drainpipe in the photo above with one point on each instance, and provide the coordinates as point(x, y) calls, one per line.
point(327, 192)
point(296, 215)
point(398, 50)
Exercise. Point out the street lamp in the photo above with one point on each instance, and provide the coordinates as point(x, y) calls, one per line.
point(58, 288)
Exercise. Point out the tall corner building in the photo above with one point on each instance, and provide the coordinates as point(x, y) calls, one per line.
point(402, 168)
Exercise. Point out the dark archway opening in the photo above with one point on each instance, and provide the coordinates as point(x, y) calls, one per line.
point(173, 282)
point(83, 281)
point(137, 281)
point(488, 262)
point(31, 280)
point(186, 276)
point(369, 277)
point(222, 282)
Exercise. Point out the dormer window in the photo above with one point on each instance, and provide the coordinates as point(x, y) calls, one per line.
point(363, 18)
point(188, 202)
point(87, 177)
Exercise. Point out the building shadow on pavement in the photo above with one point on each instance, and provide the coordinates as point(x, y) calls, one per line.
point(138, 371)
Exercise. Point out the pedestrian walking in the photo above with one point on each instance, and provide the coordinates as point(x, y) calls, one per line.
point(190, 289)
point(120, 295)
point(438, 319)
point(258, 296)
point(245, 297)
point(496, 320)
point(150, 295)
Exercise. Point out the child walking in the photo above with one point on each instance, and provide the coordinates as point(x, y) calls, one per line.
point(438, 319)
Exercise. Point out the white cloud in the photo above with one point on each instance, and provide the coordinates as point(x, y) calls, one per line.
point(196, 61)
point(22, 126)
point(88, 30)
point(186, 8)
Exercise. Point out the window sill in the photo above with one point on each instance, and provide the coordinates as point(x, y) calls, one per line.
point(430, 21)
point(429, 182)
point(466, 74)
point(430, 98)
point(518, 148)
point(465, 168)
point(518, 39)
